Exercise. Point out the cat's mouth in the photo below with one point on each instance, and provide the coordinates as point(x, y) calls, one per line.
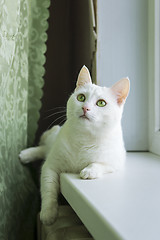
point(84, 117)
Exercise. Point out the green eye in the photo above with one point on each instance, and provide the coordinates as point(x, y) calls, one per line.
point(101, 103)
point(81, 98)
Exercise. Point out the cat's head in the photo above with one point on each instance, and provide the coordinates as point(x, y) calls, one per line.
point(94, 106)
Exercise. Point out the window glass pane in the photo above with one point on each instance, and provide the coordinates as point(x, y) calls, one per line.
point(157, 67)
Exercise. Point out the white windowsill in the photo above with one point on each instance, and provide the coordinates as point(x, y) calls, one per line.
point(121, 205)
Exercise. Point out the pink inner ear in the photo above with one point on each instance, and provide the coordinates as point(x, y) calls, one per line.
point(121, 90)
point(83, 77)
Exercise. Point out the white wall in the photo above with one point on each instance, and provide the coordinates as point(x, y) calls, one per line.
point(122, 51)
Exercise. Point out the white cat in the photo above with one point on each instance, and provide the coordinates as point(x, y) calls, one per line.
point(90, 142)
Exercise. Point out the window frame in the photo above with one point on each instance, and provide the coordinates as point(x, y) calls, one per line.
point(154, 75)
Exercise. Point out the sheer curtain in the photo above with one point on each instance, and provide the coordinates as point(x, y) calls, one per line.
point(23, 25)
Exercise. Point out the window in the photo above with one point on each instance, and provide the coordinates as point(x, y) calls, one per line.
point(154, 75)
point(122, 50)
point(128, 44)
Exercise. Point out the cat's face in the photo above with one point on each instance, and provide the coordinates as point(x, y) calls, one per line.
point(94, 106)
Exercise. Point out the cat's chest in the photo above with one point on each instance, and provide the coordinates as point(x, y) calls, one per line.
point(85, 152)
point(79, 150)
point(81, 155)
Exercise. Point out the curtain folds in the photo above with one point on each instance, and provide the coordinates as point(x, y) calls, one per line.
point(37, 37)
point(23, 25)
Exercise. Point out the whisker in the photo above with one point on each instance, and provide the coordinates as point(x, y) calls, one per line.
point(56, 120)
point(62, 122)
point(51, 115)
point(55, 109)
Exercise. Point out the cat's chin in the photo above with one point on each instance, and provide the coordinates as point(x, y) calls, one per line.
point(84, 118)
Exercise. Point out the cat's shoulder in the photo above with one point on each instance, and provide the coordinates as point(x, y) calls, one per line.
point(51, 133)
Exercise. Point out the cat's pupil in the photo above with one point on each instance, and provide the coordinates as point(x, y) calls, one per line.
point(81, 98)
point(101, 103)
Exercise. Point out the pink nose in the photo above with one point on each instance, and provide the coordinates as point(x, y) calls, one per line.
point(85, 109)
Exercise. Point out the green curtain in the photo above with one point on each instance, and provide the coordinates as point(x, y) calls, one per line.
point(23, 25)
point(37, 48)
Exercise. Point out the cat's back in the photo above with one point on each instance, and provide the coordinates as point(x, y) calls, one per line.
point(49, 137)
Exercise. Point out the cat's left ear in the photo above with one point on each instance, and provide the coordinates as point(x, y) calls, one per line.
point(121, 90)
point(83, 77)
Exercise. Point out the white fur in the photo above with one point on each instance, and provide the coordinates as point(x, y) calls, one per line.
point(91, 147)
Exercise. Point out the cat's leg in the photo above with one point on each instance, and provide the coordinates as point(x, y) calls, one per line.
point(49, 195)
point(32, 154)
point(95, 170)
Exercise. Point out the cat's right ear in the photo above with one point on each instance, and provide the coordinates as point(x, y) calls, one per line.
point(83, 77)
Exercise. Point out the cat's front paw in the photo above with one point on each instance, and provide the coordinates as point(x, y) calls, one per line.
point(49, 216)
point(24, 156)
point(91, 172)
